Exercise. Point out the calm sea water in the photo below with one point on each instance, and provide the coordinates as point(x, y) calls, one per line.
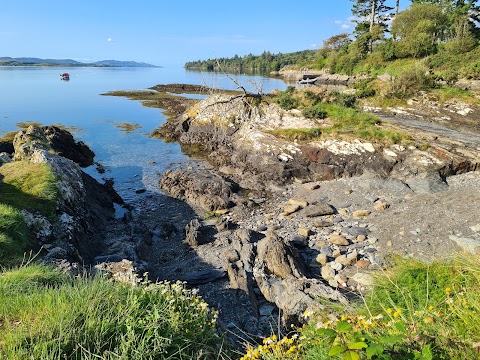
point(132, 159)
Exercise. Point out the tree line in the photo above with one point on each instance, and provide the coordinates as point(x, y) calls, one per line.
point(445, 31)
point(265, 62)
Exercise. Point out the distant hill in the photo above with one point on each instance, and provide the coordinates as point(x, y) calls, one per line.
point(26, 61)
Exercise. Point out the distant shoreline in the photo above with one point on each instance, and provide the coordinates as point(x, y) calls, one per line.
point(16, 62)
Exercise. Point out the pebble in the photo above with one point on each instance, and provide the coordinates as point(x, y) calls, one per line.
point(321, 259)
point(361, 238)
point(389, 244)
point(343, 212)
point(327, 272)
point(336, 266)
point(290, 209)
point(304, 232)
point(361, 213)
point(344, 205)
point(327, 251)
point(300, 202)
point(475, 228)
point(322, 223)
point(338, 240)
point(222, 211)
point(381, 206)
point(355, 230)
point(312, 186)
point(342, 259)
point(338, 219)
point(363, 264)
point(363, 279)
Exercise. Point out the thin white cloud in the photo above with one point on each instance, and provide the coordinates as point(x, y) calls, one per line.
point(345, 24)
point(110, 40)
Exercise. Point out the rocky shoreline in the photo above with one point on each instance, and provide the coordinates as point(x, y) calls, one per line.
point(312, 220)
point(271, 225)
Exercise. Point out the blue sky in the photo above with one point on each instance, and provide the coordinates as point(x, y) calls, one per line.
point(166, 32)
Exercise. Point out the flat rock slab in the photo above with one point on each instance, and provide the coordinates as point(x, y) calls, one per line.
point(320, 209)
point(203, 277)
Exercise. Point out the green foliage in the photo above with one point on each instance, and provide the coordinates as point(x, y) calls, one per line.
point(364, 88)
point(344, 99)
point(314, 112)
point(419, 29)
point(48, 315)
point(409, 81)
point(286, 100)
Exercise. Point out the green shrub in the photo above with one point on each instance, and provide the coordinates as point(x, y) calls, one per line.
point(314, 112)
point(344, 99)
point(364, 88)
point(286, 100)
point(409, 81)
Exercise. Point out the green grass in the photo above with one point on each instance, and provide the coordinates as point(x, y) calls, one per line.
point(48, 315)
point(30, 186)
point(414, 311)
point(300, 134)
point(13, 235)
point(347, 122)
point(446, 93)
point(23, 185)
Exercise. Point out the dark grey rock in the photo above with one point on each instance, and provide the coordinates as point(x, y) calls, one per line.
point(427, 183)
point(356, 230)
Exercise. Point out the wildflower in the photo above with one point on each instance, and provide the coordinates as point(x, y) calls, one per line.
point(389, 311)
point(448, 291)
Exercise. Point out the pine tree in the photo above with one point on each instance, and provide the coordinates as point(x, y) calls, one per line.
point(369, 14)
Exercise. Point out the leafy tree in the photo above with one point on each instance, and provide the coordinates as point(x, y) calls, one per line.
point(419, 29)
point(456, 11)
point(337, 42)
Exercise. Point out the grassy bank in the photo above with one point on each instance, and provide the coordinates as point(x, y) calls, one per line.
point(415, 311)
point(45, 314)
point(343, 119)
point(23, 186)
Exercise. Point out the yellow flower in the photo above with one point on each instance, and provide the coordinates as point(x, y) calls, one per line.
point(396, 314)
point(448, 291)
point(389, 311)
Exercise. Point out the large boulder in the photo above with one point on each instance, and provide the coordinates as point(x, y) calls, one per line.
point(53, 139)
point(199, 188)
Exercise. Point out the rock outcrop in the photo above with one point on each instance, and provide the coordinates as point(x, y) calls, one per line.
point(236, 134)
point(84, 207)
